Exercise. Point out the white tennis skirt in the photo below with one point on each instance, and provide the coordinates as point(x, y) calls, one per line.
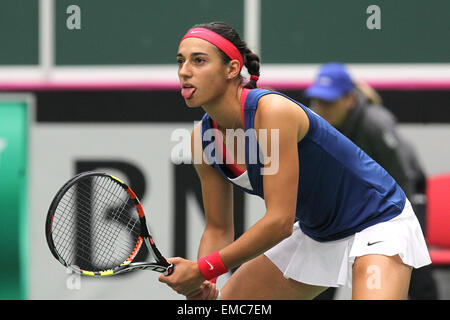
point(329, 264)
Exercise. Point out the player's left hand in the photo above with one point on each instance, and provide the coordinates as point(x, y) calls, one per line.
point(186, 278)
point(207, 291)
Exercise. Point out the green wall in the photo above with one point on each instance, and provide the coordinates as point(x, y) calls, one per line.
point(329, 30)
point(13, 195)
point(132, 32)
point(19, 32)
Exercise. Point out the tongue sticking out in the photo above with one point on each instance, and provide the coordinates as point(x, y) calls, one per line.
point(187, 92)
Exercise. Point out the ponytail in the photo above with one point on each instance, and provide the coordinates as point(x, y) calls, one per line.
point(251, 62)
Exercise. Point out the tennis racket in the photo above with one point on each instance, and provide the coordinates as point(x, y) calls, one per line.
point(96, 226)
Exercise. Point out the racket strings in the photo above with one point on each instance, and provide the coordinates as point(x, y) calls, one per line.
point(93, 225)
point(106, 235)
point(102, 235)
point(61, 231)
point(81, 237)
point(85, 231)
point(69, 223)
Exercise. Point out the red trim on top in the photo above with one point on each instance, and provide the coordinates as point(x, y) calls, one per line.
point(228, 161)
point(244, 95)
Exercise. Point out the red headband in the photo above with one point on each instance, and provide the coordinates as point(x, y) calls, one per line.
point(216, 39)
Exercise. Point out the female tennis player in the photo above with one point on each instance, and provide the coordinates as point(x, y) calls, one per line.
point(333, 215)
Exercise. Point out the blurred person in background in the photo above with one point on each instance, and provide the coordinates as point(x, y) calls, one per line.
point(356, 110)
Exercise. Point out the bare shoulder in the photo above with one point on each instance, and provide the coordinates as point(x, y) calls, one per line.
point(277, 111)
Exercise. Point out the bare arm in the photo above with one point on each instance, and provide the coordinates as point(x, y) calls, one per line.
point(280, 187)
point(217, 194)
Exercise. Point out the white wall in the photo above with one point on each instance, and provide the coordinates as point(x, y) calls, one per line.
point(55, 147)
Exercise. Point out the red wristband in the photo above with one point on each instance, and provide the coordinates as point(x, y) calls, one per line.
point(211, 266)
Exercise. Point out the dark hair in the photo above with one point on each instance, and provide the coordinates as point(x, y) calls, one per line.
point(251, 60)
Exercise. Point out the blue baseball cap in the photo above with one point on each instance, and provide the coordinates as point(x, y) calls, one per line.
point(332, 82)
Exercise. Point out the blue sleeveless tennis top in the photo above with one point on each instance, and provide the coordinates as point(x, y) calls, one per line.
point(341, 190)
